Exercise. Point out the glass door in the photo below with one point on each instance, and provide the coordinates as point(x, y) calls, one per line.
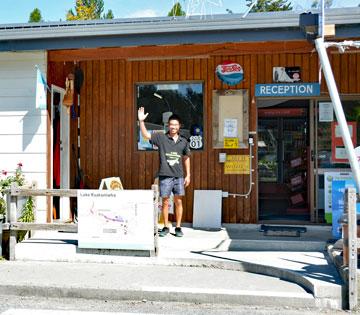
point(283, 167)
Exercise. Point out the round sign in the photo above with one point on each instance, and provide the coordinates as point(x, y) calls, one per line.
point(230, 73)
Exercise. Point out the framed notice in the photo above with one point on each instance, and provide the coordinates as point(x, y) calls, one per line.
point(116, 219)
point(326, 112)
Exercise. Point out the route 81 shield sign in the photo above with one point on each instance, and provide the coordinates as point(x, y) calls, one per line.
point(196, 142)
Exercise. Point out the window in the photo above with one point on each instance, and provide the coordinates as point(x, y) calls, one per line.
point(163, 100)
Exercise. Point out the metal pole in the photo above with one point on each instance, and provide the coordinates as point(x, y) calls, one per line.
point(334, 94)
point(322, 19)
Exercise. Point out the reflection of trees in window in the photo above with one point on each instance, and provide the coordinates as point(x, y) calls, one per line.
point(182, 99)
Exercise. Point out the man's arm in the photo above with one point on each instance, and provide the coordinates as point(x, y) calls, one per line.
point(142, 116)
point(186, 159)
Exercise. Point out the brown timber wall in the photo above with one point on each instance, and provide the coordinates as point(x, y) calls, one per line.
point(108, 113)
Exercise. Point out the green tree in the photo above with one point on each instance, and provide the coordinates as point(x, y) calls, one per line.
point(176, 10)
point(109, 15)
point(270, 5)
point(316, 3)
point(35, 16)
point(89, 10)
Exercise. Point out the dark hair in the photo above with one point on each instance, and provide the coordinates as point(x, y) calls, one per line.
point(174, 117)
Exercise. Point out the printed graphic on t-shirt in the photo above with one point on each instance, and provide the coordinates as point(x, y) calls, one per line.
point(173, 158)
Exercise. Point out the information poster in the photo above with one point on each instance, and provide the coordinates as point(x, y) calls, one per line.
point(338, 152)
point(326, 112)
point(116, 219)
point(237, 164)
point(338, 194)
point(329, 177)
point(230, 128)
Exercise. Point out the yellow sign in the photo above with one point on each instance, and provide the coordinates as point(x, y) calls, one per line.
point(231, 143)
point(237, 164)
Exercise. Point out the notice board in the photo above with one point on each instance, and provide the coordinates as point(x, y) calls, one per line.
point(116, 219)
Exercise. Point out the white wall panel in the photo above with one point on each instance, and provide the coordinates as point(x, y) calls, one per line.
point(23, 124)
point(15, 144)
point(32, 163)
point(23, 128)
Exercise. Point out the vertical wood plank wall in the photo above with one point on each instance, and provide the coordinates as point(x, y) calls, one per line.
point(108, 118)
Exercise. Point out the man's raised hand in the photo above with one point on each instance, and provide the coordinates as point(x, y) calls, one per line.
point(141, 114)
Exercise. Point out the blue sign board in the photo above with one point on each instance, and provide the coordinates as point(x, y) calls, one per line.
point(287, 89)
point(338, 194)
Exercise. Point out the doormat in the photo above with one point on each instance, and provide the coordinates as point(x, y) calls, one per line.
point(282, 230)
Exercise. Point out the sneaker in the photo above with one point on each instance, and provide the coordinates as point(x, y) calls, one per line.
point(164, 232)
point(178, 232)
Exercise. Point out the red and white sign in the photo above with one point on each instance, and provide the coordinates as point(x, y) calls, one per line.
point(338, 152)
point(230, 72)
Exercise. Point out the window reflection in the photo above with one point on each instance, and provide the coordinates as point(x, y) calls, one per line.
point(163, 100)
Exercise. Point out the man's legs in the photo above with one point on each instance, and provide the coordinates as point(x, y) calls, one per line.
point(165, 210)
point(179, 212)
point(179, 209)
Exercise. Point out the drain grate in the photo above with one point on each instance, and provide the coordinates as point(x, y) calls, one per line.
point(282, 230)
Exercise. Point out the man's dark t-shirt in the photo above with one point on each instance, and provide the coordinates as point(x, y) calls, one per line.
point(170, 153)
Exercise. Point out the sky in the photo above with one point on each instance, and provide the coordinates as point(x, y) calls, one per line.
point(18, 11)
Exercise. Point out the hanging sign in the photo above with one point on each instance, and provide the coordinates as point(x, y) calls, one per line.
point(230, 72)
point(287, 89)
point(237, 164)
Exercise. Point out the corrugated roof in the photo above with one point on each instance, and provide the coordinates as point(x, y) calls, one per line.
point(284, 19)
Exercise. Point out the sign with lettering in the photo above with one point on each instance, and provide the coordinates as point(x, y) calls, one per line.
point(237, 164)
point(121, 219)
point(230, 72)
point(231, 143)
point(338, 151)
point(287, 89)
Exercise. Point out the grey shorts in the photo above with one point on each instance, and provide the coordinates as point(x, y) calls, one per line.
point(170, 185)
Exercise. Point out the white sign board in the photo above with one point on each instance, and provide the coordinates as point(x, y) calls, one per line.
point(116, 219)
point(326, 112)
point(230, 128)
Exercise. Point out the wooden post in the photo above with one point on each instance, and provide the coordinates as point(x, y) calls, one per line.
point(352, 244)
point(11, 202)
point(155, 189)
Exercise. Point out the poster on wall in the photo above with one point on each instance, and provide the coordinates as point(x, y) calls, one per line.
point(230, 128)
point(338, 152)
point(116, 219)
point(329, 177)
point(326, 112)
point(338, 194)
point(237, 164)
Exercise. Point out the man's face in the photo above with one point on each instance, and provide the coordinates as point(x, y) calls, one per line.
point(174, 127)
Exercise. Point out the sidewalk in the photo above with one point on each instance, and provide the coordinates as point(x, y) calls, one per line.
point(202, 266)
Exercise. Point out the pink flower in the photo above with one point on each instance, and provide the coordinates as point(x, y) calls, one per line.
point(4, 172)
point(19, 164)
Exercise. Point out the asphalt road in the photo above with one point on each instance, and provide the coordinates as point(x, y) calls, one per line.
point(15, 305)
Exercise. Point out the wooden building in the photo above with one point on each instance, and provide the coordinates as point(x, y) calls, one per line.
point(116, 57)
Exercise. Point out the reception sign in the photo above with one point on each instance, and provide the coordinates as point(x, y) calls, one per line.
point(116, 219)
point(287, 89)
